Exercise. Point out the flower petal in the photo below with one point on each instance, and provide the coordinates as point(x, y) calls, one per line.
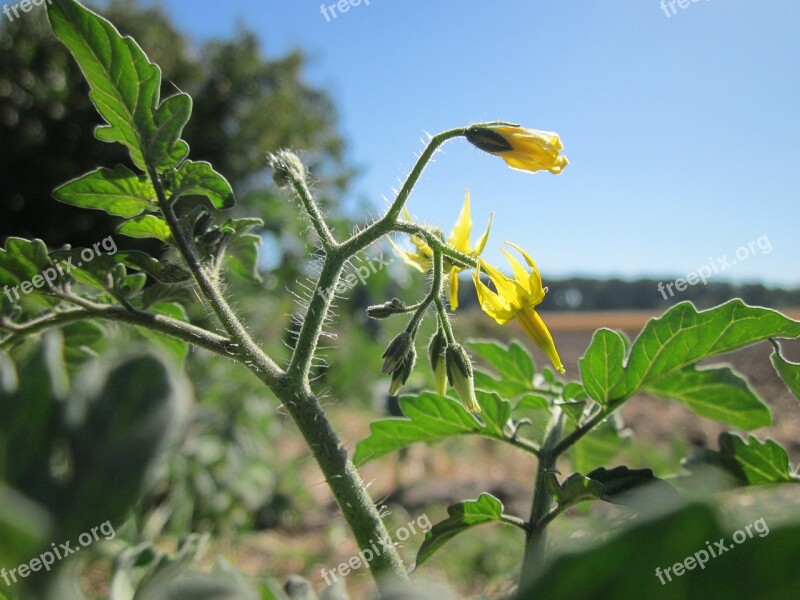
point(481, 243)
point(492, 304)
point(454, 288)
point(459, 236)
point(535, 286)
point(412, 260)
point(535, 328)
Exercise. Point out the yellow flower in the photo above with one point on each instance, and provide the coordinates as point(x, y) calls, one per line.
point(516, 299)
point(422, 259)
point(525, 149)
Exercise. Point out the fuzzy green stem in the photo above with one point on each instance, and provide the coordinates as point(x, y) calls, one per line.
point(535, 540)
point(160, 323)
point(314, 214)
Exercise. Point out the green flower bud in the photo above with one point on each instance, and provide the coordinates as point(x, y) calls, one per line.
point(459, 374)
point(436, 355)
point(387, 309)
point(401, 373)
point(287, 168)
point(397, 351)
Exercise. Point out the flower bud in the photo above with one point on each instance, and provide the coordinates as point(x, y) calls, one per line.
point(401, 373)
point(397, 351)
point(287, 168)
point(387, 309)
point(459, 374)
point(436, 355)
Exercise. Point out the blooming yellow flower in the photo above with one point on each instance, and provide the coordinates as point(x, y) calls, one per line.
point(525, 149)
point(516, 299)
point(422, 259)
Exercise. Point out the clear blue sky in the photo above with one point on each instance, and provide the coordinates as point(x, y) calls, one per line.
point(682, 132)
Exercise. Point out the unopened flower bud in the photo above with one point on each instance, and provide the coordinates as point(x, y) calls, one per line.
point(436, 355)
point(459, 374)
point(287, 168)
point(397, 351)
point(387, 309)
point(401, 373)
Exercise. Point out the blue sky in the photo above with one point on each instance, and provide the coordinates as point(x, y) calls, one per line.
point(682, 131)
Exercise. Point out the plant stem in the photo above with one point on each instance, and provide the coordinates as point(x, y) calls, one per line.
point(533, 560)
point(160, 323)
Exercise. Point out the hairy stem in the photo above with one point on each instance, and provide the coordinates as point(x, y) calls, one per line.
point(160, 323)
point(535, 539)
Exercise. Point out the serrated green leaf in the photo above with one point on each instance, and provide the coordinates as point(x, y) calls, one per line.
point(762, 463)
point(683, 336)
point(532, 402)
point(788, 371)
point(118, 192)
point(602, 364)
point(124, 83)
point(462, 516)
point(717, 393)
point(166, 145)
point(200, 179)
point(147, 226)
point(431, 418)
point(98, 273)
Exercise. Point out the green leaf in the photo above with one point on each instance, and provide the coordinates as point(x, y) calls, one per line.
point(127, 413)
point(721, 394)
point(28, 413)
point(22, 260)
point(576, 488)
point(124, 83)
point(504, 387)
point(628, 564)
point(602, 365)
point(243, 256)
point(147, 226)
point(788, 371)
point(511, 363)
point(200, 179)
point(600, 446)
point(160, 271)
point(462, 516)
point(166, 145)
point(683, 336)
point(762, 463)
point(634, 487)
point(431, 418)
point(25, 527)
point(82, 342)
point(118, 192)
